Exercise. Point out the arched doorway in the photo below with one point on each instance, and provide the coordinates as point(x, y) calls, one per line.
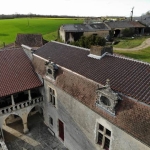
point(116, 33)
point(12, 125)
point(35, 117)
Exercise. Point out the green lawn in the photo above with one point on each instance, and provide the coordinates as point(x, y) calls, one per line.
point(45, 26)
point(129, 42)
point(143, 55)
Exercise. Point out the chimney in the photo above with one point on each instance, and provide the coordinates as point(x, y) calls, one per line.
point(100, 50)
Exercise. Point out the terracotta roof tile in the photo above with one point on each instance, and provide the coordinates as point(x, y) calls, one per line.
point(127, 76)
point(16, 72)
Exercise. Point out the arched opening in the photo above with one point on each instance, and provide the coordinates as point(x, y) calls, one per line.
point(116, 33)
point(35, 117)
point(12, 125)
point(105, 101)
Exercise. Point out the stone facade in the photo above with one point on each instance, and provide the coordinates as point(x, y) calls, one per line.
point(80, 123)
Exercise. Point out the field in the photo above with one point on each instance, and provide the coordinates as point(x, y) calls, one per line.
point(46, 26)
point(143, 55)
point(129, 42)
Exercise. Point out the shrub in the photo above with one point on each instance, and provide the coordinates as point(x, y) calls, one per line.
point(128, 32)
point(86, 42)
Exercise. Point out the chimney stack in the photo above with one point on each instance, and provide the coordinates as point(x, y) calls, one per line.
point(100, 50)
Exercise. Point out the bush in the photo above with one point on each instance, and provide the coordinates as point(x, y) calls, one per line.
point(86, 42)
point(128, 32)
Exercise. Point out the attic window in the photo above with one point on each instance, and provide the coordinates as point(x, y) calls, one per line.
point(107, 99)
point(51, 69)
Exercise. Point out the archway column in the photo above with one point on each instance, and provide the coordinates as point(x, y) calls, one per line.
point(29, 95)
point(25, 126)
point(12, 100)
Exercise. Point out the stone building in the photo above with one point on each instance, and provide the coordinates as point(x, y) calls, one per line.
point(119, 26)
point(72, 32)
point(92, 99)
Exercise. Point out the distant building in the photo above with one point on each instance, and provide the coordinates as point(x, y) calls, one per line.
point(118, 26)
point(72, 32)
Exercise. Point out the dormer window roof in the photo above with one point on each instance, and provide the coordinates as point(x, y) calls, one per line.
point(51, 69)
point(106, 98)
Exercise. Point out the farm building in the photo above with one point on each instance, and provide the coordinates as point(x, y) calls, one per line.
point(118, 26)
point(72, 32)
point(91, 98)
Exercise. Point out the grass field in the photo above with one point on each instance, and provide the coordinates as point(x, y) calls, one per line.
point(129, 42)
point(48, 28)
point(143, 55)
point(45, 26)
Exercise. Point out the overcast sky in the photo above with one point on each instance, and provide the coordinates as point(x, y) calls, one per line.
point(75, 7)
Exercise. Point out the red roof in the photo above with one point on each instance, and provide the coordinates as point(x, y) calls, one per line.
point(16, 72)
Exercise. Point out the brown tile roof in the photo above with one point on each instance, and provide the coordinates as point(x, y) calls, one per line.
point(127, 76)
point(32, 40)
point(16, 72)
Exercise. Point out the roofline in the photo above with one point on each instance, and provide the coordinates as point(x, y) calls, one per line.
point(131, 59)
point(22, 91)
point(71, 46)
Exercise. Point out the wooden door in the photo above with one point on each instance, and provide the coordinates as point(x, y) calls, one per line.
point(61, 129)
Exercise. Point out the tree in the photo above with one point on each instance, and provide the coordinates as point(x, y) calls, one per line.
point(86, 42)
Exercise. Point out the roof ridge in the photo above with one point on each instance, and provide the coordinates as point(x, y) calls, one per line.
point(127, 58)
point(71, 45)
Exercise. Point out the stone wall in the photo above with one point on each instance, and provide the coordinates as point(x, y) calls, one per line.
point(80, 123)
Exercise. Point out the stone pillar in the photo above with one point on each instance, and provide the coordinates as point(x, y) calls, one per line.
point(24, 119)
point(29, 95)
point(12, 100)
point(25, 128)
point(2, 135)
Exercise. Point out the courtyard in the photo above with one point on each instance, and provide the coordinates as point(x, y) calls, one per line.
point(38, 137)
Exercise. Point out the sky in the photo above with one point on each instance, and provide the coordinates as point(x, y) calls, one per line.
point(76, 7)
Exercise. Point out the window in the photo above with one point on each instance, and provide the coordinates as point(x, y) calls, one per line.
point(51, 121)
point(52, 96)
point(105, 101)
point(103, 137)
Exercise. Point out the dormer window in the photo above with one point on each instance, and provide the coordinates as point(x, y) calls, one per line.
point(106, 98)
point(105, 101)
point(51, 69)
